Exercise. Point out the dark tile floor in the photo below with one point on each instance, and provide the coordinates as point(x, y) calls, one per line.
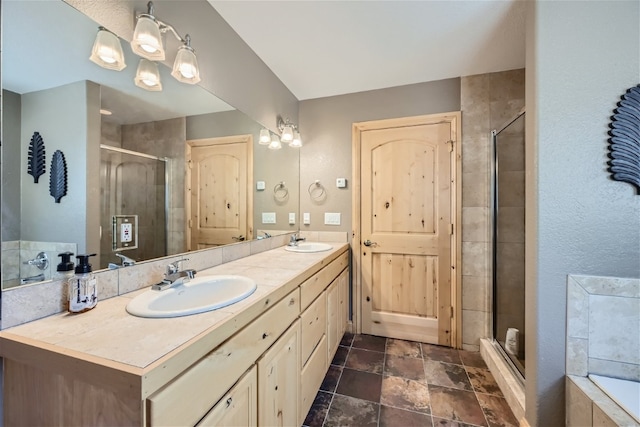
point(374, 381)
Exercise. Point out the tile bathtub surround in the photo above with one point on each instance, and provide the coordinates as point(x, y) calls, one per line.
point(375, 381)
point(603, 317)
point(27, 303)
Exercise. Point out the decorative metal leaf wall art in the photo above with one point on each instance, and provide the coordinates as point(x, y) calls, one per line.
point(36, 158)
point(58, 176)
point(624, 144)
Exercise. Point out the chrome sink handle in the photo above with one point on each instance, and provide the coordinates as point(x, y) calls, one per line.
point(174, 267)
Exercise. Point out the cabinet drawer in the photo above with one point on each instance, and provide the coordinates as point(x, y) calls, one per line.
point(314, 323)
point(239, 407)
point(187, 398)
point(311, 378)
point(313, 286)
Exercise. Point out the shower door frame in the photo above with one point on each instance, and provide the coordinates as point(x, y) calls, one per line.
point(494, 233)
point(167, 190)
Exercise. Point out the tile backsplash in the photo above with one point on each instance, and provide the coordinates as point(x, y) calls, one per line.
point(30, 302)
point(603, 320)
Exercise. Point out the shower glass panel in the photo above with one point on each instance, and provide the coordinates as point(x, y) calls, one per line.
point(131, 184)
point(508, 240)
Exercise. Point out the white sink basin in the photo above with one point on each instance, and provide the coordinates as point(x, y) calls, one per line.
point(308, 247)
point(200, 294)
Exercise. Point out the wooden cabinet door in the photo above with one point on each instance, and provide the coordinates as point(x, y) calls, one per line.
point(343, 303)
point(278, 381)
point(238, 407)
point(334, 318)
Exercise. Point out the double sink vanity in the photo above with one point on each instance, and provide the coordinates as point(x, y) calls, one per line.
point(257, 361)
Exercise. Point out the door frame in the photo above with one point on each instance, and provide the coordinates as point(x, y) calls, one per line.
point(456, 212)
point(204, 142)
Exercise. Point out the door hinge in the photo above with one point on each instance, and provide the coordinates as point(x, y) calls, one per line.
point(451, 307)
point(190, 164)
point(450, 143)
point(189, 223)
point(451, 229)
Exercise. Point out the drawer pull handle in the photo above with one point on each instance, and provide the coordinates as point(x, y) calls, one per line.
point(229, 401)
point(264, 335)
point(292, 301)
point(267, 302)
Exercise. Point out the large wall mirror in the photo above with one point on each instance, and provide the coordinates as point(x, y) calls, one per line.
point(131, 175)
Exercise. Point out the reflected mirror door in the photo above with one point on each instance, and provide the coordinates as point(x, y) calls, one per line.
point(509, 240)
point(133, 190)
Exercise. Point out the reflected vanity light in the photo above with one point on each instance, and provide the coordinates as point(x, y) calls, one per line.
point(275, 142)
point(147, 43)
point(265, 137)
point(148, 76)
point(297, 141)
point(107, 51)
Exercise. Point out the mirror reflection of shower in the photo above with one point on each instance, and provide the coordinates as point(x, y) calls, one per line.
point(132, 186)
point(509, 240)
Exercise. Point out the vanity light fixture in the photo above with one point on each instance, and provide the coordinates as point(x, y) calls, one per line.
point(147, 43)
point(265, 137)
point(107, 51)
point(289, 133)
point(275, 142)
point(148, 76)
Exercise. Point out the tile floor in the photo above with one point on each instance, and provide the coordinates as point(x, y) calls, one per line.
point(374, 381)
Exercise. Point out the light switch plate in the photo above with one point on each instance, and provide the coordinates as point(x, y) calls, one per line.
point(332, 218)
point(292, 218)
point(341, 182)
point(268, 217)
point(260, 185)
point(306, 218)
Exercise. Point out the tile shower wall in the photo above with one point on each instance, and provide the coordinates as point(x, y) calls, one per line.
point(487, 102)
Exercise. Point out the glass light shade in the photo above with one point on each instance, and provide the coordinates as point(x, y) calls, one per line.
point(185, 67)
point(287, 133)
point(297, 141)
point(275, 143)
point(148, 76)
point(107, 51)
point(265, 137)
point(147, 41)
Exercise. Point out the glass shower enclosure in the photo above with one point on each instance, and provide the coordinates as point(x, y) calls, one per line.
point(508, 191)
point(134, 205)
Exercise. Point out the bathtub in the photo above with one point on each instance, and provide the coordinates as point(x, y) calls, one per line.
point(625, 393)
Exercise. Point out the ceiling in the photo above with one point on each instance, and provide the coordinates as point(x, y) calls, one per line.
point(324, 48)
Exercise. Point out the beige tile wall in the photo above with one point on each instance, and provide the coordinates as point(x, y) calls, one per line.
point(487, 102)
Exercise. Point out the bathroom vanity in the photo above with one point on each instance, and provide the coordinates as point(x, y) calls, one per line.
point(257, 362)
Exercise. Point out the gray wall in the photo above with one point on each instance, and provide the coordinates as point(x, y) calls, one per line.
point(326, 125)
point(271, 166)
point(581, 56)
point(228, 67)
point(11, 142)
point(67, 118)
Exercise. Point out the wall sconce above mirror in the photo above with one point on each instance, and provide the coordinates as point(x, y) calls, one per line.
point(288, 134)
point(147, 43)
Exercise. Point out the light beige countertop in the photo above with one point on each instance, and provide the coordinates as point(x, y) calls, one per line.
point(137, 345)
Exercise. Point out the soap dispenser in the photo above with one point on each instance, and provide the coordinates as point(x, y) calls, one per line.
point(83, 289)
point(64, 272)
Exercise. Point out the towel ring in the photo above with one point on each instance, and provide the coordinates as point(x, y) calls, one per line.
point(280, 191)
point(316, 190)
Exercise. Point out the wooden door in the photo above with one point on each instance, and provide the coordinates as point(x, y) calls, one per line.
point(238, 407)
point(219, 200)
point(278, 381)
point(407, 252)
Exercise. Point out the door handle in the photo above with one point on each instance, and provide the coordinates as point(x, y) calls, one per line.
point(370, 243)
point(240, 238)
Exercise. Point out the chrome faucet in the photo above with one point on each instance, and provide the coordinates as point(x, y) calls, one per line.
point(174, 276)
point(294, 239)
point(126, 261)
point(265, 235)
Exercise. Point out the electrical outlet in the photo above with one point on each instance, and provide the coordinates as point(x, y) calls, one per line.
point(126, 230)
point(268, 217)
point(331, 218)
